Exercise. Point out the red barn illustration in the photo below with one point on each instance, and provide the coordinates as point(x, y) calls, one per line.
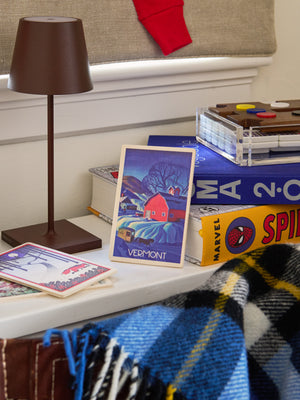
point(165, 207)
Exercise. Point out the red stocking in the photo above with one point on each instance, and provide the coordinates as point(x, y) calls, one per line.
point(164, 20)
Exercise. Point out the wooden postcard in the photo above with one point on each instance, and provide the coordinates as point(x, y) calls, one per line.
point(48, 270)
point(15, 291)
point(152, 205)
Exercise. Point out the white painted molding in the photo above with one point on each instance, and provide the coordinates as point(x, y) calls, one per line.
point(130, 94)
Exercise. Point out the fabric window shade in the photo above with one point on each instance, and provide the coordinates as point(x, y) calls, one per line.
point(113, 32)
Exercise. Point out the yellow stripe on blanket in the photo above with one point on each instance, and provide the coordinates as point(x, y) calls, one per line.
point(272, 281)
point(207, 332)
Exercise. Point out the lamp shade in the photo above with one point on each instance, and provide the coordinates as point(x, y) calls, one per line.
point(50, 57)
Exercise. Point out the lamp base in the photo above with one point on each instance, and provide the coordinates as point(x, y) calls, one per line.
point(67, 237)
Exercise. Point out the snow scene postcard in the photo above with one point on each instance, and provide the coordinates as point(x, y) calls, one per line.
point(152, 205)
point(50, 270)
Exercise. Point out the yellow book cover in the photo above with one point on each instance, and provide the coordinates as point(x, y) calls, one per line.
point(227, 235)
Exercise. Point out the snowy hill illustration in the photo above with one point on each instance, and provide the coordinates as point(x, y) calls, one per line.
point(160, 232)
point(148, 240)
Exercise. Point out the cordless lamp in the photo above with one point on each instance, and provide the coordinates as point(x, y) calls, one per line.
point(50, 58)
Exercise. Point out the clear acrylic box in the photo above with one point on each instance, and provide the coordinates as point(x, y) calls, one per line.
point(251, 146)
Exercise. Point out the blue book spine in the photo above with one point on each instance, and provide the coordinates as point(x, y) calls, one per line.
point(219, 181)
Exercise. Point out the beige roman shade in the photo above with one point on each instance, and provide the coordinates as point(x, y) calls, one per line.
point(113, 32)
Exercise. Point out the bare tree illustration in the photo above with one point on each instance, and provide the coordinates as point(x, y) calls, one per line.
point(162, 175)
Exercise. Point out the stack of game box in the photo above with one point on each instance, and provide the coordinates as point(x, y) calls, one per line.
point(252, 134)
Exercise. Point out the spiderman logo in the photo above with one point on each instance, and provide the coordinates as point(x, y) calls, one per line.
point(240, 235)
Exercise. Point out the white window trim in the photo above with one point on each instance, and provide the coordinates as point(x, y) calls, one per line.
point(131, 94)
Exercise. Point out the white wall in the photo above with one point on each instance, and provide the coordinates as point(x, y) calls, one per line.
point(23, 173)
point(281, 80)
point(23, 179)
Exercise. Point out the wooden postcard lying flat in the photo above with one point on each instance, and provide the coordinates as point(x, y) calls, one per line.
point(15, 291)
point(152, 205)
point(49, 270)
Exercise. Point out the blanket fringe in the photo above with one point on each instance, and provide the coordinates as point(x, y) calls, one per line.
point(102, 370)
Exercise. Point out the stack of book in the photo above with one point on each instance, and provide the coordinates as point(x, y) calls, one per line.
point(234, 209)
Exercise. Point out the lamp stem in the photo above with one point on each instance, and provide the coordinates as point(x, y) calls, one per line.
point(50, 136)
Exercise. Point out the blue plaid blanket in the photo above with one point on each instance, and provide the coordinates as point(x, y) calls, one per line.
point(236, 337)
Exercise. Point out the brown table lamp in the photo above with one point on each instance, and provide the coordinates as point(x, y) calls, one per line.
point(50, 58)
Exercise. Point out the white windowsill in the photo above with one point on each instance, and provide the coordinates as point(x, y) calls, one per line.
point(130, 94)
point(148, 68)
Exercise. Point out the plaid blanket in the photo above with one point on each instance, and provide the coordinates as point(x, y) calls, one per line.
point(236, 337)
